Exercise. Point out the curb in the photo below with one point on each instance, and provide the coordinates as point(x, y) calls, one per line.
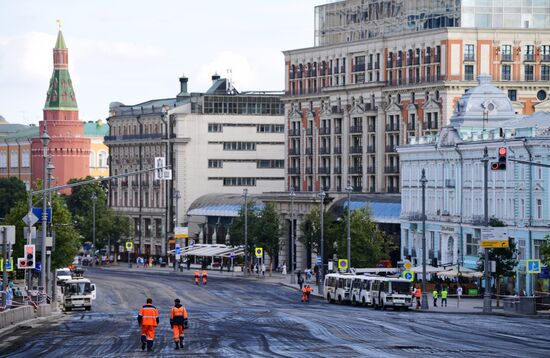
point(9, 329)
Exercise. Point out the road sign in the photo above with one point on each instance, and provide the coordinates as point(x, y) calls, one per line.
point(38, 267)
point(494, 238)
point(232, 255)
point(181, 232)
point(10, 234)
point(38, 213)
point(191, 242)
point(343, 264)
point(533, 266)
point(407, 265)
point(408, 275)
point(161, 173)
point(259, 251)
point(30, 219)
point(9, 265)
point(129, 245)
point(318, 261)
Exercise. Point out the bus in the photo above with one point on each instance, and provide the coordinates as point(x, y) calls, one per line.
point(391, 292)
point(361, 290)
point(337, 287)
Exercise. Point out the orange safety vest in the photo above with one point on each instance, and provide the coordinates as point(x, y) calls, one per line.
point(177, 315)
point(196, 275)
point(204, 275)
point(149, 315)
point(418, 293)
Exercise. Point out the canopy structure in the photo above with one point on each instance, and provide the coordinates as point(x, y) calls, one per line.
point(429, 269)
point(457, 271)
point(206, 250)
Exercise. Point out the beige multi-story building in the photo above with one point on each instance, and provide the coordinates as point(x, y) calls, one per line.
point(384, 72)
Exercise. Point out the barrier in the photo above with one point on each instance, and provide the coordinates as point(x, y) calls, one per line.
point(16, 315)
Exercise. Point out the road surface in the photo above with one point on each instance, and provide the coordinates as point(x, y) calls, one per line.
point(234, 317)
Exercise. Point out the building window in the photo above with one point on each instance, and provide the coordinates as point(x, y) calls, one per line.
point(92, 159)
point(270, 164)
point(529, 53)
point(536, 248)
point(25, 159)
point(215, 163)
point(239, 181)
point(506, 53)
point(529, 72)
point(469, 52)
point(147, 223)
point(3, 160)
point(469, 73)
point(472, 245)
point(545, 53)
point(158, 227)
point(545, 73)
point(506, 72)
point(239, 146)
point(270, 128)
point(102, 159)
point(539, 209)
point(215, 128)
point(513, 95)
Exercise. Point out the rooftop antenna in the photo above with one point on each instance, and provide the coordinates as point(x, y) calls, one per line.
point(229, 81)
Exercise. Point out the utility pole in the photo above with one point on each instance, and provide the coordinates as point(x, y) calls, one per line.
point(49, 252)
point(423, 182)
point(94, 200)
point(177, 196)
point(292, 260)
point(487, 295)
point(5, 260)
point(349, 189)
point(322, 196)
point(245, 195)
point(45, 138)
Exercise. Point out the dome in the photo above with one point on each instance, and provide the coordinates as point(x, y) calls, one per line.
point(483, 100)
point(115, 105)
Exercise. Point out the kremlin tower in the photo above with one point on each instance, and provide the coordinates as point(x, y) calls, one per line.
point(68, 149)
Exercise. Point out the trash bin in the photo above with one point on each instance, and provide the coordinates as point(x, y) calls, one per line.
point(473, 292)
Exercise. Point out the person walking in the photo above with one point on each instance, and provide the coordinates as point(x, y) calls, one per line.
point(197, 275)
point(178, 322)
point(283, 270)
point(435, 295)
point(444, 293)
point(148, 319)
point(263, 270)
point(204, 277)
point(458, 296)
point(300, 280)
point(418, 295)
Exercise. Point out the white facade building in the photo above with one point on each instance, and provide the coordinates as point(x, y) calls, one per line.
point(519, 196)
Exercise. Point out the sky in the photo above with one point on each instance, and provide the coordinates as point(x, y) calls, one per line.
point(131, 51)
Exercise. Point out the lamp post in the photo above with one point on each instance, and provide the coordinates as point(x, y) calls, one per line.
point(94, 200)
point(45, 138)
point(322, 196)
point(423, 182)
point(245, 196)
point(349, 189)
point(487, 305)
point(177, 196)
point(50, 169)
point(292, 260)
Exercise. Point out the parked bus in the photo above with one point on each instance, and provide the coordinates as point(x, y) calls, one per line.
point(361, 290)
point(390, 292)
point(337, 287)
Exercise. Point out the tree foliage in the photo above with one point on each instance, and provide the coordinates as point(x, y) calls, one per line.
point(12, 190)
point(267, 229)
point(310, 230)
point(545, 251)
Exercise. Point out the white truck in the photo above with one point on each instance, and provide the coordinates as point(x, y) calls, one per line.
point(78, 292)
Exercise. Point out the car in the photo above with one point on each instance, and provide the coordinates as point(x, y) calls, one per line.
point(63, 274)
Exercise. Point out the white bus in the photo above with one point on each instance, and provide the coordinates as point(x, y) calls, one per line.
point(391, 292)
point(361, 290)
point(78, 292)
point(337, 287)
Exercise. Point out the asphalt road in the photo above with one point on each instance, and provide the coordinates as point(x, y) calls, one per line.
point(247, 318)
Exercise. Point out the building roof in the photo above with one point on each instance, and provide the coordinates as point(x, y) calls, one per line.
point(60, 43)
point(384, 208)
point(27, 132)
point(3, 120)
point(96, 129)
point(220, 205)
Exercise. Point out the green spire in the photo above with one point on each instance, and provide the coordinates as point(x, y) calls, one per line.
point(60, 44)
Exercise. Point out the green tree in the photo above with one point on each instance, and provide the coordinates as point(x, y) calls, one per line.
point(369, 245)
point(506, 262)
point(12, 190)
point(310, 229)
point(545, 251)
point(236, 230)
point(66, 237)
point(266, 229)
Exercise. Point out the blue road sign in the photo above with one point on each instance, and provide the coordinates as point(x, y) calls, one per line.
point(38, 213)
point(178, 251)
point(318, 261)
point(38, 267)
point(191, 242)
point(232, 256)
point(545, 272)
point(533, 266)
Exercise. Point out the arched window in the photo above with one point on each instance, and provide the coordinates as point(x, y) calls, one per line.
point(102, 159)
point(92, 159)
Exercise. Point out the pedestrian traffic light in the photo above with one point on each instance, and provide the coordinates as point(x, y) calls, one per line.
point(30, 256)
point(500, 164)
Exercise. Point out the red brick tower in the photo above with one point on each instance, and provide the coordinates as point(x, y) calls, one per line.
point(68, 150)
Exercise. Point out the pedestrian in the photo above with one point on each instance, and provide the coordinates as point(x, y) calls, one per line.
point(458, 296)
point(197, 277)
point(148, 319)
point(300, 280)
point(188, 264)
point(435, 294)
point(178, 322)
point(221, 267)
point(418, 295)
point(283, 270)
point(444, 293)
point(263, 270)
point(204, 277)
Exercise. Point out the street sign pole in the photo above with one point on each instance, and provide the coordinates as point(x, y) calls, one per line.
point(487, 295)
point(423, 181)
point(5, 260)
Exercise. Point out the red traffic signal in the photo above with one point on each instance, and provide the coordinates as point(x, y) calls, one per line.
point(500, 164)
point(30, 256)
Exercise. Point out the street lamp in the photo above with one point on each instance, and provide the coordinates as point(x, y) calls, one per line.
point(487, 305)
point(94, 200)
point(423, 182)
point(245, 196)
point(50, 169)
point(349, 189)
point(177, 196)
point(292, 260)
point(45, 138)
point(322, 196)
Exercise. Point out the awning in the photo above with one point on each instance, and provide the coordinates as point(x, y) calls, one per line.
point(455, 272)
point(429, 269)
point(211, 250)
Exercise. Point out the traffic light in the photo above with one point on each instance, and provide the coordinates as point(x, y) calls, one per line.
point(29, 257)
point(500, 164)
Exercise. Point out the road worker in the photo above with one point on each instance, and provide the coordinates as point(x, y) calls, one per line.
point(418, 295)
point(197, 275)
point(306, 293)
point(444, 293)
point(178, 321)
point(435, 294)
point(148, 319)
point(204, 277)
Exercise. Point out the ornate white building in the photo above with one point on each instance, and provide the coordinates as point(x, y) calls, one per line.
point(518, 196)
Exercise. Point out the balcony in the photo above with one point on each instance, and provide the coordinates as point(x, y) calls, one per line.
point(145, 183)
point(437, 59)
point(529, 57)
point(309, 131)
point(337, 130)
point(135, 183)
point(156, 183)
point(309, 151)
point(411, 126)
point(359, 67)
point(392, 127)
point(355, 170)
point(324, 170)
point(369, 66)
point(324, 130)
point(356, 129)
point(309, 170)
point(545, 57)
point(372, 190)
point(391, 149)
point(529, 77)
point(371, 128)
point(468, 76)
point(124, 183)
point(449, 183)
point(428, 59)
point(371, 149)
point(417, 60)
point(507, 57)
point(337, 170)
point(389, 64)
point(357, 189)
point(294, 151)
point(294, 132)
point(324, 150)
point(335, 71)
point(114, 183)
point(134, 137)
point(370, 170)
point(356, 149)
point(391, 169)
point(342, 69)
point(294, 171)
point(469, 57)
point(337, 150)
point(377, 65)
point(393, 190)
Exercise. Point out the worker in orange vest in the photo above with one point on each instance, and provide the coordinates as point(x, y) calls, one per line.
point(306, 292)
point(204, 277)
point(417, 295)
point(197, 277)
point(178, 321)
point(148, 319)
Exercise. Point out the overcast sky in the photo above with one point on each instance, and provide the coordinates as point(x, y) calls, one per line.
point(131, 51)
